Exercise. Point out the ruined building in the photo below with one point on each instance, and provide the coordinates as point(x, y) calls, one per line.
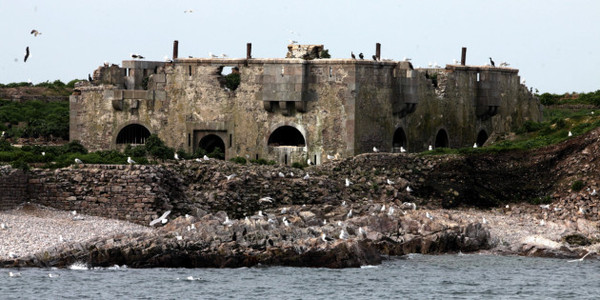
point(299, 107)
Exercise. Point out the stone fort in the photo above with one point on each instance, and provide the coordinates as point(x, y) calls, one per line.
point(299, 107)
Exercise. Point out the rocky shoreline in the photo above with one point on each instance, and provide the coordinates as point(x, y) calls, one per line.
point(302, 236)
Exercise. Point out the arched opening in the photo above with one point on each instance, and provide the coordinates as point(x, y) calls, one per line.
point(481, 138)
point(286, 136)
point(441, 139)
point(213, 144)
point(399, 139)
point(133, 134)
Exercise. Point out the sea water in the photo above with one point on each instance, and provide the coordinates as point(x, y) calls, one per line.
point(413, 276)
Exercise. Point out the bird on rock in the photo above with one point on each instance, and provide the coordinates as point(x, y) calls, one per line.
point(348, 182)
point(130, 161)
point(78, 161)
point(206, 157)
point(375, 149)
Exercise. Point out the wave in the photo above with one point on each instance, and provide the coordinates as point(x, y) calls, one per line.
point(78, 266)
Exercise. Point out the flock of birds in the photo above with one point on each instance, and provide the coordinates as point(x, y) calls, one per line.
point(35, 33)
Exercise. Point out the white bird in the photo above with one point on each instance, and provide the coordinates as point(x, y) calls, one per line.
point(348, 182)
point(308, 162)
point(53, 275)
point(13, 255)
point(570, 134)
point(430, 148)
point(382, 208)
point(198, 160)
point(410, 205)
point(130, 161)
point(582, 258)
point(161, 219)
point(265, 199)
point(389, 182)
point(306, 177)
point(408, 189)
point(280, 174)
point(3, 226)
point(43, 153)
point(475, 145)
point(455, 61)
point(292, 41)
point(429, 216)
point(291, 174)
point(229, 177)
point(223, 55)
point(406, 59)
point(324, 238)
point(227, 222)
point(286, 222)
point(545, 206)
point(74, 212)
point(542, 222)
point(339, 223)
point(402, 150)
point(330, 157)
point(176, 156)
point(11, 274)
point(260, 214)
point(211, 55)
point(78, 161)
point(391, 211)
point(350, 213)
point(362, 232)
point(344, 235)
point(593, 193)
point(284, 210)
point(484, 221)
point(375, 149)
point(206, 157)
point(344, 203)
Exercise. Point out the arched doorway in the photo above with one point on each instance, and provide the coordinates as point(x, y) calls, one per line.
point(399, 139)
point(441, 139)
point(133, 134)
point(481, 138)
point(213, 144)
point(286, 136)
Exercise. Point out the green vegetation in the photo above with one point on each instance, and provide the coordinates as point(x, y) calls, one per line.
point(33, 119)
point(324, 54)
point(239, 160)
point(592, 98)
point(577, 185)
point(262, 161)
point(232, 81)
point(298, 165)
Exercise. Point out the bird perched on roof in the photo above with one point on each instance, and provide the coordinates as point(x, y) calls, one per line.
point(89, 78)
point(352, 55)
point(492, 62)
point(374, 57)
point(361, 56)
point(26, 54)
point(212, 55)
point(35, 32)
point(130, 161)
point(136, 56)
point(375, 149)
point(78, 161)
point(504, 64)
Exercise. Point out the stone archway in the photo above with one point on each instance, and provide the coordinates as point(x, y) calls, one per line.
point(211, 142)
point(133, 134)
point(441, 139)
point(399, 140)
point(286, 136)
point(481, 138)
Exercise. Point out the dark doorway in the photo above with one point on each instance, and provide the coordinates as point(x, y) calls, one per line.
point(399, 138)
point(210, 143)
point(481, 138)
point(133, 134)
point(441, 139)
point(286, 136)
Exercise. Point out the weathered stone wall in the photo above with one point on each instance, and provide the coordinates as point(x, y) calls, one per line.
point(13, 187)
point(338, 105)
point(134, 193)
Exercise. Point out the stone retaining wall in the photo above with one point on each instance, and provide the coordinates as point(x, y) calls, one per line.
point(13, 187)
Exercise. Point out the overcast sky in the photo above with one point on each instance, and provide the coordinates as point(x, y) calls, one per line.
point(554, 44)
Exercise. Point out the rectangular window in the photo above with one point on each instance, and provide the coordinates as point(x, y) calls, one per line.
point(190, 70)
point(230, 140)
point(189, 140)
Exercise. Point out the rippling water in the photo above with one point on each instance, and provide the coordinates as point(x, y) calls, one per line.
point(409, 277)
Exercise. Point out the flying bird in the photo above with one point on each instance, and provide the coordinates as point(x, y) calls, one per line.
point(188, 11)
point(492, 62)
point(581, 259)
point(26, 54)
point(35, 32)
point(162, 219)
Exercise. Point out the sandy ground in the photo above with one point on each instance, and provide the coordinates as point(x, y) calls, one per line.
point(30, 229)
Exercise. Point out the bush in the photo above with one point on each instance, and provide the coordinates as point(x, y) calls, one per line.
point(262, 161)
point(20, 164)
point(5, 145)
point(157, 148)
point(135, 151)
point(298, 165)
point(240, 160)
point(74, 147)
point(232, 81)
point(577, 185)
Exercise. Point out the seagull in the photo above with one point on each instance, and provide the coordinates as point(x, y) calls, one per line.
point(330, 157)
point(78, 161)
point(280, 174)
point(344, 235)
point(375, 149)
point(542, 223)
point(3, 226)
point(286, 222)
point(306, 177)
point(35, 32)
point(593, 193)
point(212, 55)
point(430, 217)
point(188, 11)
point(205, 157)
point(198, 160)
point(11, 274)
point(176, 156)
point(227, 222)
point(545, 206)
point(402, 150)
point(223, 55)
point(389, 182)
point(408, 189)
point(391, 211)
point(361, 56)
point(411, 205)
point(53, 275)
point(362, 232)
point(229, 177)
point(74, 212)
point(161, 219)
point(352, 55)
point(581, 259)
point(350, 213)
point(130, 161)
point(570, 134)
point(475, 145)
point(43, 153)
point(265, 199)
point(26, 54)
point(325, 238)
point(430, 148)
point(348, 182)
point(3, 133)
point(406, 59)
point(344, 203)
point(504, 64)
point(484, 221)
point(382, 208)
point(291, 174)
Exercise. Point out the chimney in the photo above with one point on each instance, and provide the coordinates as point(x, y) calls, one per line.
point(175, 49)
point(378, 51)
point(463, 56)
point(248, 50)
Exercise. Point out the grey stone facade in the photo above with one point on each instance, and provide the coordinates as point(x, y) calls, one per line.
point(291, 109)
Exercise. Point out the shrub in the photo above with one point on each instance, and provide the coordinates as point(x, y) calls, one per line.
point(232, 81)
point(20, 164)
point(298, 165)
point(74, 147)
point(157, 148)
point(577, 185)
point(240, 160)
point(135, 151)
